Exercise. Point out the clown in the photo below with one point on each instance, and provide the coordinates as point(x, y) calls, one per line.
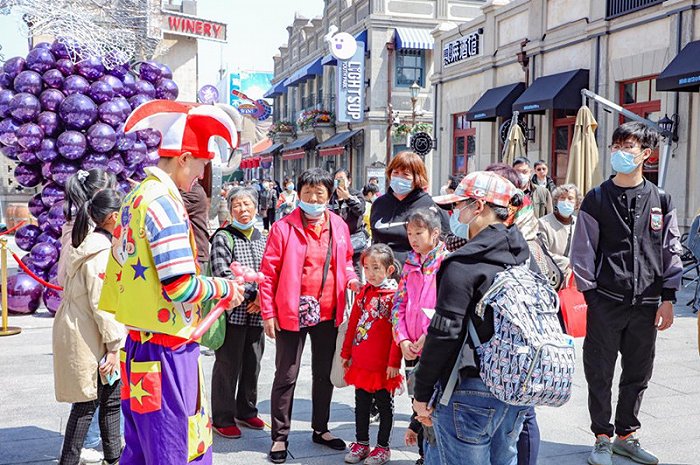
point(153, 286)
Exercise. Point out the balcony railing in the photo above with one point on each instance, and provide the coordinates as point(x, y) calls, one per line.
point(615, 8)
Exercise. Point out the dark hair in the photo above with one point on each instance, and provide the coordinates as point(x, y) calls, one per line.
point(316, 177)
point(503, 213)
point(385, 256)
point(540, 163)
point(342, 170)
point(425, 217)
point(647, 137)
point(370, 189)
point(505, 171)
point(373, 177)
point(520, 161)
point(411, 162)
point(454, 181)
point(96, 209)
point(82, 185)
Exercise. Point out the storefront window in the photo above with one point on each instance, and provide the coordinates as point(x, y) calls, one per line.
point(463, 143)
point(562, 132)
point(409, 67)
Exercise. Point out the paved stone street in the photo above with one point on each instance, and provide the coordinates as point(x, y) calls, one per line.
point(32, 422)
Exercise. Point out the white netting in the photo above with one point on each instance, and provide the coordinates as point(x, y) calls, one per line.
point(115, 31)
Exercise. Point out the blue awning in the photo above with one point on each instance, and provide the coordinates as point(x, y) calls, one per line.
point(413, 38)
point(275, 90)
point(315, 68)
point(329, 60)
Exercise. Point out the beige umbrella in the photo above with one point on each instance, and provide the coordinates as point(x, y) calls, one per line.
point(515, 144)
point(583, 167)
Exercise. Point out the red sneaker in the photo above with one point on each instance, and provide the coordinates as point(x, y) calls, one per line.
point(252, 423)
point(230, 432)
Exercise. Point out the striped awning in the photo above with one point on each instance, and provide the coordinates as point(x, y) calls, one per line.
point(413, 38)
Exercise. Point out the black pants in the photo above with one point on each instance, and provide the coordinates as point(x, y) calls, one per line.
point(385, 403)
point(81, 413)
point(613, 327)
point(290, 346)
point(415, 425)
point(268, 218)
point(234, 379)
point(529, 440)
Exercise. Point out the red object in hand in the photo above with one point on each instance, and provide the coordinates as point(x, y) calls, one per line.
point(207, 321)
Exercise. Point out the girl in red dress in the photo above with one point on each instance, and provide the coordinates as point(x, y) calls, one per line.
point(371, 357)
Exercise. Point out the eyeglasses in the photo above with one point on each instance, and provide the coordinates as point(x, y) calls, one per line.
point(540, 169)
point(625, 147)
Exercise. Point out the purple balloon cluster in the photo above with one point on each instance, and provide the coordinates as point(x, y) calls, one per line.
point(57, 117)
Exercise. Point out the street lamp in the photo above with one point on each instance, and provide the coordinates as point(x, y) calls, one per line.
point(415, 88)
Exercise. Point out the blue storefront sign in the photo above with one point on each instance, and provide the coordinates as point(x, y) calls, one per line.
point(351, 87)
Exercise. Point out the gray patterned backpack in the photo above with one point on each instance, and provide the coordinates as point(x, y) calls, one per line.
point(529, 360)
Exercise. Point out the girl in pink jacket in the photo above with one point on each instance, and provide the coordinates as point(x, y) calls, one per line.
point(414, 302)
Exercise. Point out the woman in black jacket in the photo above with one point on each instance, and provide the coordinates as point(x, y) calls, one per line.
point(408, 181)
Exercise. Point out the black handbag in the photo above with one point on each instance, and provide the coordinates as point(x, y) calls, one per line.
point(359, 241)
point(548, 268)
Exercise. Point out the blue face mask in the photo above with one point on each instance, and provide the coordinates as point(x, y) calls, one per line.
point(314, 210)
point(242, 226)
point(401, 185)
point(290, 187)
point(623, 162)
point(458, 228)
point(565, 208)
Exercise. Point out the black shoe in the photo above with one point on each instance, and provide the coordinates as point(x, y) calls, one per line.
point(420, 461)
point(336, 443)
point(279, 456)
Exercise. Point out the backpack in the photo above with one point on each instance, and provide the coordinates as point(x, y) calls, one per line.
point(529, 361)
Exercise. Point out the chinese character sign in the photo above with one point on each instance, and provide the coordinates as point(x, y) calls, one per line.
point(461, 49)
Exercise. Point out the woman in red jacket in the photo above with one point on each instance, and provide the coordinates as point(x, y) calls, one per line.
point(307, 266)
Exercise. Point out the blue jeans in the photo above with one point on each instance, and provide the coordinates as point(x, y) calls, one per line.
point(475, 428)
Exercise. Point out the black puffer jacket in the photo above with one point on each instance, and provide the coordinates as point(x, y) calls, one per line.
point(350, 210)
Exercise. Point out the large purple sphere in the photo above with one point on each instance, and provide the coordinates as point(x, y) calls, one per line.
point(23, 294)
point(152, 158)
point(50, 237)
point(14, 66)
point(136, 154)
point(28, 158)
point(26, 236)
point(111, 113)
point(56, 218)
point(65, 66)
point(101, 137)
point(167, 89)
point(115, 165)
point(5, 97)
point(42, 220)
point(125, 186)
point(62, 170)
point(75, 84)
point(29, 136)
point(78, 111)
point(114, 82)
point(52, 299)
point(94, 161)
point(36, 206)
point(120, 71)
point(124, 106)
point(5, 80)
point(29, 262)
point(28, 175)
point(46, 172)
point(40, 59)
point(59, 49)
point(28, 81)
point(146, 88)
point(90, 68)
point(24, 107)
point(138, 100)
point(71, 144)
point(53, 271)
point(47, 152)
point(10, 152)
point(165, 71)
point(125, 141)
point(150, 71)
point(129, 85)
point(52, 194)
point(8, 131)
point(53, 78)
point(50, 123)
point(44, 254)
point(50, 99)
point(151, 137)
point(100, 92)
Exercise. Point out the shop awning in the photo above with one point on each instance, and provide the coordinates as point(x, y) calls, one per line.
point(294, 155)
point(496, 102)
point(336, 144)
point(329, 60)
point(315, 68)
point(271, 150)
point(274, 91)
point(560, 91)
point(414, 38)
point(683, 73)
point(252, 162)
point(302, 143)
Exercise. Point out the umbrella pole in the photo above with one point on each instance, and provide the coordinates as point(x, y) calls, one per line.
point(663, 162)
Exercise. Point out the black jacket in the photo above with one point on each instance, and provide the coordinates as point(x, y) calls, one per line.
point(464, 277)
point(549, 182)
point(389, 216)
point(351, 210)
point(626, 244)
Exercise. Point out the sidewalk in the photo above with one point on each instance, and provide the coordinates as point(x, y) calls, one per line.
point(32, 422)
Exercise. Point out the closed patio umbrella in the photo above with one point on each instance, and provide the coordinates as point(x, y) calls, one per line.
point(515, 144)
point(583, 169)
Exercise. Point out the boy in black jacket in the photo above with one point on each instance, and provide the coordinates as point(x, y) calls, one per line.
point(625, 256)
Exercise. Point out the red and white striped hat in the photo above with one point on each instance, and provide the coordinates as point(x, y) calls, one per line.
point(184, 127)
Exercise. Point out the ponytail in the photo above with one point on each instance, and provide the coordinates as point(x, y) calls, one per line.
point(94, 211)
point(82, 185)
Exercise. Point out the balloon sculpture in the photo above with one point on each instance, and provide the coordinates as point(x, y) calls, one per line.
point(57, 117)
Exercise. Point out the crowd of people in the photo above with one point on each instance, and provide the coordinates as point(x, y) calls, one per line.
point(393, 280)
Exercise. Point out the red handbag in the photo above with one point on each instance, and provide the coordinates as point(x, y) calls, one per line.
point(573, 309)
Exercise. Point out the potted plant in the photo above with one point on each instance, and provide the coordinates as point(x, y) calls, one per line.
point(315, 118)
point(281, 128)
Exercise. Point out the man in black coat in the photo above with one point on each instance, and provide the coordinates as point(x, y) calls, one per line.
point(349, 204)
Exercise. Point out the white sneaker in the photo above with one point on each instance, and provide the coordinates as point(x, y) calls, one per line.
point(90, 456)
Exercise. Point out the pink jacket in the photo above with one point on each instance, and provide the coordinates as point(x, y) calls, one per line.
point(417, 290)
point(282, 266)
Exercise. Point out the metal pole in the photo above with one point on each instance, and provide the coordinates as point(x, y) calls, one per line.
point(6, 330)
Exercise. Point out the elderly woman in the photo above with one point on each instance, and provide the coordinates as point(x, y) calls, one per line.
point(234, 384)
point(307, 267)
point(557, 228)
point(408, 182)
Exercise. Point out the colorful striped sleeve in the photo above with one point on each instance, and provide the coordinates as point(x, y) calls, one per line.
point(194, 289)
point(168, 235)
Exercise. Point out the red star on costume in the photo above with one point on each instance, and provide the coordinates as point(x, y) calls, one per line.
point(119, 276)
point(101, 276)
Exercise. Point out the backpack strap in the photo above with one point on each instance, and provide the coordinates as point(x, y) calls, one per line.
point(663, 196)
point(469, 359)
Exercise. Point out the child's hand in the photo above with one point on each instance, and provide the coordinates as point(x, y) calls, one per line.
point(354, 285)
point(405, 346)
point(346, 363)
point(411, 437)
point(392, 372)
point(417, 347)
